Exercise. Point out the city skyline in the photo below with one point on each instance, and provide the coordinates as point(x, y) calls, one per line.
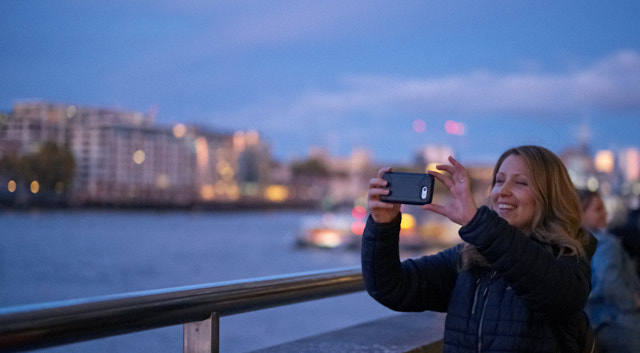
point(342, 74)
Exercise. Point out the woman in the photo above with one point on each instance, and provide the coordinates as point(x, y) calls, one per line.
point(614, 303)
point(520, 280)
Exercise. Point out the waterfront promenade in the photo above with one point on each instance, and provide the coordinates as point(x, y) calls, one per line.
point(199, 309)
point(59, 255)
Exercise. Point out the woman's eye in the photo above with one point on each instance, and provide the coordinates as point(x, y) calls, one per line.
point(523, 183)
point(499, 181)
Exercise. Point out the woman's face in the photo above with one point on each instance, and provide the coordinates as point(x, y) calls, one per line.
point(595, 215)
point(512, 195)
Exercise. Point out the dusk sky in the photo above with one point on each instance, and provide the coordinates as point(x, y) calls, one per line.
point(383, 75)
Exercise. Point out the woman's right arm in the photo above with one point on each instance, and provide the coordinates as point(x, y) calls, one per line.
point(414, 285)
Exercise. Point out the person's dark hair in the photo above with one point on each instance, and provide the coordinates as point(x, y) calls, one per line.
point(558, 214)
point(586, 196)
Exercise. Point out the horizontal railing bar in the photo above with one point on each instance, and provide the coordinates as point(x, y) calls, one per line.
point(49, 324)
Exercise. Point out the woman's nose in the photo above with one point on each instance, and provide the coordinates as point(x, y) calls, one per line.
point(506, 188)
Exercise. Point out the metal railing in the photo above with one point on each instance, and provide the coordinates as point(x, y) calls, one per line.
point(199, 308)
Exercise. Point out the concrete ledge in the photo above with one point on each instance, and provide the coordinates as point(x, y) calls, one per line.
point(414, 333)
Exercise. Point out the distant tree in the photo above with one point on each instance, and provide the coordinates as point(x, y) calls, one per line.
point(9, 166)
point(52, 166)
point(310, 167)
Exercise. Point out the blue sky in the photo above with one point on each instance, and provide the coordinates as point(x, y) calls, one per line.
point(339, 73)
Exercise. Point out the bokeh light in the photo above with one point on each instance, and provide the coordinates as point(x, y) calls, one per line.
point(276, 193)
point(454, 127)
point(34, 187)
point(604, 161)
point(419, 126)
point(408, 221)
point(207, 192)
point(12, 186)
point(162, 181)
point(431, 167)
point(593, 184)
point(359, 213)
point(357, 228)
point(179, 130)
point(139, 157)
point(71, 111)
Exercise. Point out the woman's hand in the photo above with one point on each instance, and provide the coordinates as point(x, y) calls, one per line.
point(461, 207)
point(381, 212)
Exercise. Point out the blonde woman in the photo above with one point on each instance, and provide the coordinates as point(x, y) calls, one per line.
point(519, 281)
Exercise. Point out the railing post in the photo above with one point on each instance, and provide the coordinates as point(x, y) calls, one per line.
point(202, 336)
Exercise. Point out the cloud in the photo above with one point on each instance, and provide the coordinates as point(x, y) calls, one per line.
point(377, 112)
point(250, 24)
point(297, 22)
point(609, 85)
point(366, 108)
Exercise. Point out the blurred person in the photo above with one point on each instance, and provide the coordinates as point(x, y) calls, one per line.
point(521, 278)
point(629, 234)
point(614, 303)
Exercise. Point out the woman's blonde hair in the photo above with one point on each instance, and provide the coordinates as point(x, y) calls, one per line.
point(558, 214)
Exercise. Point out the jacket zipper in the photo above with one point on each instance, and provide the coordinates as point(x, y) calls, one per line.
point(484, 307)
point(475, 297)
point(485, 295)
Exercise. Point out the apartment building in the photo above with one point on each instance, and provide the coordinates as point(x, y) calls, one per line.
point(123, 158)
point(131, 164)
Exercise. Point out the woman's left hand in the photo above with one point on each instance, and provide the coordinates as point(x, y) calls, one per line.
point(461, 207)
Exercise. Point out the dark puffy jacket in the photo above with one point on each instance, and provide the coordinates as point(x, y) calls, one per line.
point(529, 300)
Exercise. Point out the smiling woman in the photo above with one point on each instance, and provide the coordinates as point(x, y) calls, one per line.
point(519, 281)
point(538, 198)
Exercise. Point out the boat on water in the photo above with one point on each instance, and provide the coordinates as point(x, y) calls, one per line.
point(329, 231)
point(344, 231)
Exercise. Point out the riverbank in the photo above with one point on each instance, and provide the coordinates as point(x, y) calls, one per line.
point(243, 205)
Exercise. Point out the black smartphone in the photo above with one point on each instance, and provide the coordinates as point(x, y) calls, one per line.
point(408, 188)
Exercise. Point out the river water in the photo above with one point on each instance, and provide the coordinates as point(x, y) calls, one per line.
point(57, 255)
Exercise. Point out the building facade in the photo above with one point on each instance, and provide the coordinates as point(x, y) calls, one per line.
point(122, 158)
